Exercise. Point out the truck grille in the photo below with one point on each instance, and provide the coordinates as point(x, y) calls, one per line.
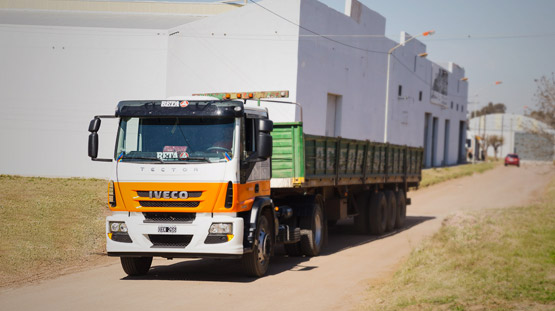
point(169, 203)
point(169, 217)
point(159, 240)
point(192, 194)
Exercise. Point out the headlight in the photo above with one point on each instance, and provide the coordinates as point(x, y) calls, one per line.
point(221, 228)
point(114, 226)
point(118, 227)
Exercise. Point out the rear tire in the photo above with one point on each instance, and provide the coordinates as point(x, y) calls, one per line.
point(361, 221)
point(256, 262)
point(313, 231)
point(135, 266)
point(378, 213)
point(401, 210)
point(391, 210)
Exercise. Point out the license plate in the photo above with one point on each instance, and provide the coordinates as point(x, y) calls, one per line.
point(165, 229)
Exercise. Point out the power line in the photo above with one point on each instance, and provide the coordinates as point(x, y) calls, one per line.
point(317, 34)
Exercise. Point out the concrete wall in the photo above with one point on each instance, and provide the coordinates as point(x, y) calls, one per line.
point(55, 79)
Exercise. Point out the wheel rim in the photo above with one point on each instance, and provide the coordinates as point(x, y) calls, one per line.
point(263, 247)
point(317, 229)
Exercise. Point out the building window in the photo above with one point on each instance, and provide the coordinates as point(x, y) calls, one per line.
point(400, 90)
point(451, 105)
point(457, 107)
point(420, 96)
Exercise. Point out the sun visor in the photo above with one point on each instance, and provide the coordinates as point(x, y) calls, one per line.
point(180, 108)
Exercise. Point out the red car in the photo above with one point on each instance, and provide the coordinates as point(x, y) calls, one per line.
point(512, 159)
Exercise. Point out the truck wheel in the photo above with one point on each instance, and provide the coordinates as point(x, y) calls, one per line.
point(391, 210)
point(313, 231)
point(378, 213)
point(256, 262)
point(401, 210)
point(135, 266)
point(361, 221)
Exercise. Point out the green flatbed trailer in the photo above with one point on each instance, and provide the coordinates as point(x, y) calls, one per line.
point(339, 178)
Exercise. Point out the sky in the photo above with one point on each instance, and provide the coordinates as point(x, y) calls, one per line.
point(512, 41)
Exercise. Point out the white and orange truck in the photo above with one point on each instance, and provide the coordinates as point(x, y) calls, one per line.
point(213, 177)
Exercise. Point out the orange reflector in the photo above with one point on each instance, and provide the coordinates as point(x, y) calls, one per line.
point(239, 95)
point(229, 237)
point(251, 95)
point(110, 235)
point(227, 96)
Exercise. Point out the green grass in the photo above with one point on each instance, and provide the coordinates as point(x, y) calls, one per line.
point(434, 176)
point(48, 225)
point(500, 259)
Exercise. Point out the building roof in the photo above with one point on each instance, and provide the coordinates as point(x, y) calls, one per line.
point(107, 14)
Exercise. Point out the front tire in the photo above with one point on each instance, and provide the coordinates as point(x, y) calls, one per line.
point(313, 231)
point(135, 266)
point(256, 262)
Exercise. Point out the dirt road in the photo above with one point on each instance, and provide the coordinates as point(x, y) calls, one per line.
point(335, 280)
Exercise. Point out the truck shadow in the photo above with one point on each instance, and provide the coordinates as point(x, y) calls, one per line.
point(341, 237)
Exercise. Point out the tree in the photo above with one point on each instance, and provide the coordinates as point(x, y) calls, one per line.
point(491, 108)
point(545, 107)
point(495, 141)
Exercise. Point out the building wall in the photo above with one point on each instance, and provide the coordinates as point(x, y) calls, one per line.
point(356, 71)
point(517, 132)
point(248, 49)
point(55, 79)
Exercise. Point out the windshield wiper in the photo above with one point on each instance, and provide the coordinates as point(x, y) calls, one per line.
point(196, 159)
point(144, 158)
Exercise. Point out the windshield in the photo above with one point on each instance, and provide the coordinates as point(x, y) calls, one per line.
point(175, 140)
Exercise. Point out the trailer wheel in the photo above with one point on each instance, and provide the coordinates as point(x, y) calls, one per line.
point(361, 221)
point(256, 262)
point(401, 209)
point(135, 266)
point(313, 231)
point(391, 210)
point(378, 213)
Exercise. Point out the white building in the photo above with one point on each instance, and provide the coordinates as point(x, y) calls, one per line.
point(64, 62)
point(519, 136)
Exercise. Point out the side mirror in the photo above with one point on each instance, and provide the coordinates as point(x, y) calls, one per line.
point(94, 125)
point(264, 145)
point(93, 144)
point(265, 125)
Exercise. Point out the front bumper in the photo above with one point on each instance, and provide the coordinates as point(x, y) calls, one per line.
point(145, 237)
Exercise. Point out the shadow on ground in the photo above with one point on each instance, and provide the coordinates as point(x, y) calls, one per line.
point(341, 237)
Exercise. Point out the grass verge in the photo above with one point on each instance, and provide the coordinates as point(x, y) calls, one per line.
point(500, 259)
point(434, 176)
point(48, 225)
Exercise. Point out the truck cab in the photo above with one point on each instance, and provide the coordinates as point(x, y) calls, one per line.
point(191, 178)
